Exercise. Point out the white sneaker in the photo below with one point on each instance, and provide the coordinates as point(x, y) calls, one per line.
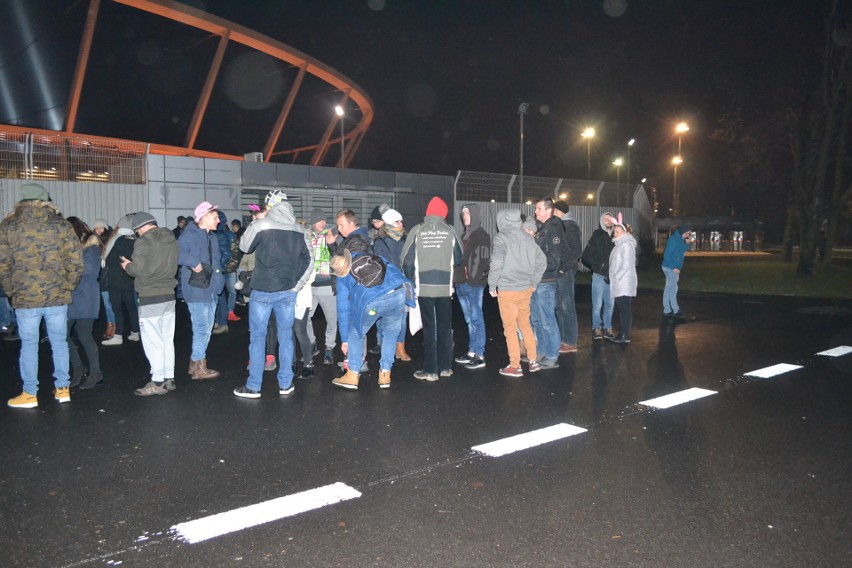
point(133, 336)
point(114, 340)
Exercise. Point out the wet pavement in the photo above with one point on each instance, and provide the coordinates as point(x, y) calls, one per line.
point(756, 474)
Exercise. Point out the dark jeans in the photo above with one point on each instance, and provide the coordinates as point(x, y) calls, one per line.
point(437, 314)
point(300, 329)
point(81, 330)
point(122, 297)
point(566, 314)
point(625, 314)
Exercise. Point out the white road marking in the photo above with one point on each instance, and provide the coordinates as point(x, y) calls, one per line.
point(773, 371)
point(254, 515)
point(676, 398)
point(837, 351)
point(528, 440)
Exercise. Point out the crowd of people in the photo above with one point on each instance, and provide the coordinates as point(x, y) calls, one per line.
point(60, 273)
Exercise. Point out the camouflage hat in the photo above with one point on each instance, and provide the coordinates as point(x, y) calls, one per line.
point(34, 192)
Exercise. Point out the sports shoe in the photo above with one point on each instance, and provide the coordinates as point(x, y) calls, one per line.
point(133, 336)
point(169, 385)
point(608, 334)
point(424, 376)
point(23, 400)
point(307, 372)
point(114, 340)
point(62, 394)
point(328, 359)
point(446, 373)
point(620, 338)
point(245, 392)
point(270, 364)
point(476, 363)
point(233, 317)
point(151, 388)
point(548, 363)
point(512, 371)
point(286, 392)
point(217, 329)
point(678, 315)
point(668, 314)
point(597, 334)
point(534, 367)
point(465, 359)
point(314, 350)
point(567, 348)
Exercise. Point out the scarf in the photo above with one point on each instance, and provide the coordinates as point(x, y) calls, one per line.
point(395, 233)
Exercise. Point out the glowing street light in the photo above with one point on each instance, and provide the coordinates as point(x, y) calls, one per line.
point(588, 134)
point(630, 144)
point(680, 129)
point(338, 110)
point(618, 162)
point(676, 161)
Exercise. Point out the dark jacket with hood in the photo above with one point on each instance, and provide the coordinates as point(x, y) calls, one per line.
point(476, 251)
point(86, 297)
point(199, 246)
point(596, 253)
point(388, 247)
point(225, 236)
point(155, 258)
point(549, 238)
point(282, 251)
point(572, 244)
point(676, 249)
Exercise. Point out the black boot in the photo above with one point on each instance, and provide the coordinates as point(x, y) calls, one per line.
point(77, 376)
point(94, 379)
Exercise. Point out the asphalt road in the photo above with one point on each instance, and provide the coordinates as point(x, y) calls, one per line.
point(754, 474)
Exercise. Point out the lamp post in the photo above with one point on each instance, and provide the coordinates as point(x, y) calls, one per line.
point(522, 110)
point(630, 144)
point(618, 162)
point(676, 161)
point(680, 129)
point(588, 134)
point(338, 110)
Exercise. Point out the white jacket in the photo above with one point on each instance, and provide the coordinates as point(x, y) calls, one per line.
point(622, 267)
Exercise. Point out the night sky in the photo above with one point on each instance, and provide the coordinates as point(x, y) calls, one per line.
point(446, 79)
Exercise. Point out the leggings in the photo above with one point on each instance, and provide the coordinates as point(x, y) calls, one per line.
point(300, 329)
point(81, 329)
point(625, 314)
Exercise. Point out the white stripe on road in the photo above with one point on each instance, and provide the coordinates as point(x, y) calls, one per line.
point(254, 515)
point(837, 351)
point(676, 398)
point(773, 371)
point(528, 440)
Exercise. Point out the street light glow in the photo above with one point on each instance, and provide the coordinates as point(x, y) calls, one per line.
point(631, 142)
point(588, 132)
point(338, 110)
point(563, 196)
point(618, 162)
point(590, 196)
point(677, 160)
point(681, 127)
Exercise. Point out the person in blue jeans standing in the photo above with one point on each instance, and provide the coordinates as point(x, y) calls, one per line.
point(596, 257)
point(283, 265)
point(470, 279)
point(676, 248)
point(544, 300)
point(199, 252)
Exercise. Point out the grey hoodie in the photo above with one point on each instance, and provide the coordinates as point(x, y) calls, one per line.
point(517, 262)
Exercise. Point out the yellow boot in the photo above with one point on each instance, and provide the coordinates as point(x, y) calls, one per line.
point(384, 379)
point(347, 381)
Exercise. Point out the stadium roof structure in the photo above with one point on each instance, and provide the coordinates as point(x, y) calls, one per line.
point(342, 91)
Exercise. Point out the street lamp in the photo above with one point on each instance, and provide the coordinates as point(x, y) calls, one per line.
point(680, 129)
point(338, 110)
point(618, 162)
point(630, 144)
point(588, 134)
point(522, 110)
point(677, 160)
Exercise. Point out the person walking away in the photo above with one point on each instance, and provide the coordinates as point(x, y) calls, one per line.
point(364, 297)
point(676, 247)
point(572, 249)
point(429, 256)
point(119, 283)
point(470, 280)
point(388, 245)
point(283, 264)
point(543, 307)
point(40, 264)
point(516, 267)
point(155, 258)
point(84, 310)
point(323, 287)
point(199, 256)
point(623, 279)
point(596, 257)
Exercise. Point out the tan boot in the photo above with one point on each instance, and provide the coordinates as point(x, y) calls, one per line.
point(348, 381)
point(193, 365)
point(384, 379)
point(400, 352)
point(202, 372)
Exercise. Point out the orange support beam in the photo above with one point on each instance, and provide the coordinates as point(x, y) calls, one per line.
point(204, 99)
point(282, 116)
point(82, 63)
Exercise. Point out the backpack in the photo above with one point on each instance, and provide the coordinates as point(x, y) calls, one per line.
point(368, 270)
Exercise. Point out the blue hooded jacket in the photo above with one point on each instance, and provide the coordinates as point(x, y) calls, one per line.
point(676, 248)
point(194, 244)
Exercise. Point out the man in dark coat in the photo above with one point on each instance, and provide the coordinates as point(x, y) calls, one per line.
point(470, 279)
point(596, 257)
point(572, 249)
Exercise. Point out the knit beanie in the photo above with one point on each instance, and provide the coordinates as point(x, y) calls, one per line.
point(375, 214)
point(34, 192)
point(437, 206)
point(318, 215)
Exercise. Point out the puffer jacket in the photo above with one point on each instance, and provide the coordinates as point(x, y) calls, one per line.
point(517, 262)
point(622, 266)
point(86, 297)
point(198, 246)
point(41, 260)
point(155, 257)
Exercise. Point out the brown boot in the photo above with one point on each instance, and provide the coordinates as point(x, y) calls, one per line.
point(400, 352)
point(384, 379)
point(348, 381)
point(193, 365)
point(109, 331)
point(202, 372)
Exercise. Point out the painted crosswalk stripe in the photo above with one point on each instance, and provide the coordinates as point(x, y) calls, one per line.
point(253, 515)
point(676, 398)
point(837, 351)
point(528, 440)
point(773, 371)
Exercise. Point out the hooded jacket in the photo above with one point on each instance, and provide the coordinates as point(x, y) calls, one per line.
point(40, 257)
point(155, 258)
point(431, 252)
point(517, 262)
point(622, 266)
point(676, 248)
point(86, 297)
point(572, 244)
point(225, 237)
point(549, 238)
point(596, 254)
point(476, 251)
point(282, 250)
point(196, 246)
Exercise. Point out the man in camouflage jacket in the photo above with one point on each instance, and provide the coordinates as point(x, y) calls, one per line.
point(40, 265)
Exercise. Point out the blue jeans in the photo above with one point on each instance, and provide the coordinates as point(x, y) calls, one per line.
point(7, 314)
point(227, 299)
point(670, 291)
point(110, 314)
point(56, 321)
point(201, 314)
point(470, 298)
point(390, 310)
point(543, 312)
point(567, 313)
point(601, 297)
point(261, 306)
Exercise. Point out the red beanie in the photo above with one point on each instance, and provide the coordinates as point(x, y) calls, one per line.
point(438, 207)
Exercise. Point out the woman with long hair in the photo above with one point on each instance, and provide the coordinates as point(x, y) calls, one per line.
point(84, 309)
